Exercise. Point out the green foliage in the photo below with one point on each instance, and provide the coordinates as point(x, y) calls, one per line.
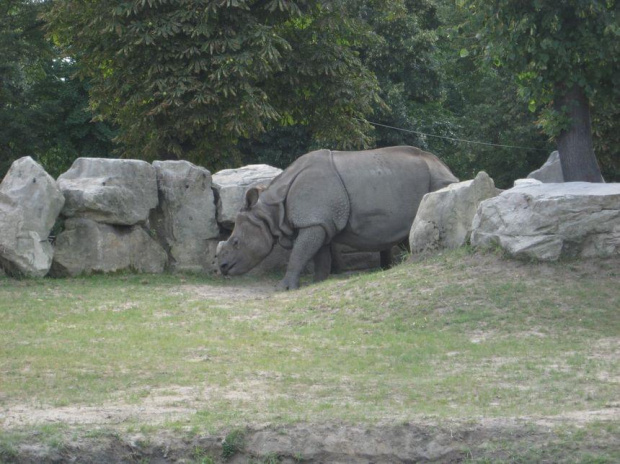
point(223, 83)
point(69, 126)
point(21, 66)
point(189, 78)
point(465, 98)
point(404, 59)
point(233, 443)
point(43, 112)
point(606, 133)
point(278, 147)
point(200, 456)
point(401, 52)
point(552, 47)
point(8, 450)
point(483, 106)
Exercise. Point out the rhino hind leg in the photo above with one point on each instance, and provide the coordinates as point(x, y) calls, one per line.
point(322, 263)
point(388, 257)
point(337, 263)
point(308, 243)
point(385, 258)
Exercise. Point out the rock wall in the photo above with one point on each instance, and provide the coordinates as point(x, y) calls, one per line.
point(541, 218)
point(122, 215)
point(109, 191)
point(185, 217)
point(86, 247)
point(131, 215)
point(106, 212)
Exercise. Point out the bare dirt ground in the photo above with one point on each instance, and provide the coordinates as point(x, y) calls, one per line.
point(425, 440)
point(486, 440)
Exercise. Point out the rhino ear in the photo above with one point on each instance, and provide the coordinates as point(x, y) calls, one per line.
point(251, 196)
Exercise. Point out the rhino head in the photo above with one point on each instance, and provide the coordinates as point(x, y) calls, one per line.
point(251, 240)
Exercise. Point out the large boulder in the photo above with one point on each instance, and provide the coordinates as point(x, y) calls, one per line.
point(87, 247)
point(30, 202)
point(185, 219)
point(550, 221)
point(110, 191)
point(444, 217)
point(550, 172)
point(231, 186)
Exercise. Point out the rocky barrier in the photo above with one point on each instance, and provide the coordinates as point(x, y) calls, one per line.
point(113, 214)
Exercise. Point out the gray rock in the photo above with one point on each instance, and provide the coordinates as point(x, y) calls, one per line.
point(110, 191)
point(87, 247)
point(30, 202)
point(522, 182)
point(185, 219)
point(232, 184)
point(550, 172)
point(550, 221)
point(444, 217)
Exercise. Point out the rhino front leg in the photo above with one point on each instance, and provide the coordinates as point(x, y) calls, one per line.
point(307, 244)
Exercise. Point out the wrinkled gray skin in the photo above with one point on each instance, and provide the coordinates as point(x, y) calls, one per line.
point(364, 199)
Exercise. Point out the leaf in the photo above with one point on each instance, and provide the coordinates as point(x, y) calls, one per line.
point(464, 53)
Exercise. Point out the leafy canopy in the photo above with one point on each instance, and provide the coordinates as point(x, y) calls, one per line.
point(401, 53)
point(552, 46)
point(188, 78)
point(43, 112)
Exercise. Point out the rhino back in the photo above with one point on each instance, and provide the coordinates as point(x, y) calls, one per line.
point(385, 187)
point(365, 199)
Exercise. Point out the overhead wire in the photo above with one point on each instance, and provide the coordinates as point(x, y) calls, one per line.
point(454, 139)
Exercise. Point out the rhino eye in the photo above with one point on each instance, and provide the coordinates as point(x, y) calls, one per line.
point(235, 242)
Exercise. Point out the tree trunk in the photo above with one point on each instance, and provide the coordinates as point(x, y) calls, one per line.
point(575, 144)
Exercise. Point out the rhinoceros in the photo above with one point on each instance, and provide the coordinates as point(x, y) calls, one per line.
point(364, 199)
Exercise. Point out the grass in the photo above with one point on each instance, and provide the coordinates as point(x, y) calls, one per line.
point(459, 335)
point(233, 443)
